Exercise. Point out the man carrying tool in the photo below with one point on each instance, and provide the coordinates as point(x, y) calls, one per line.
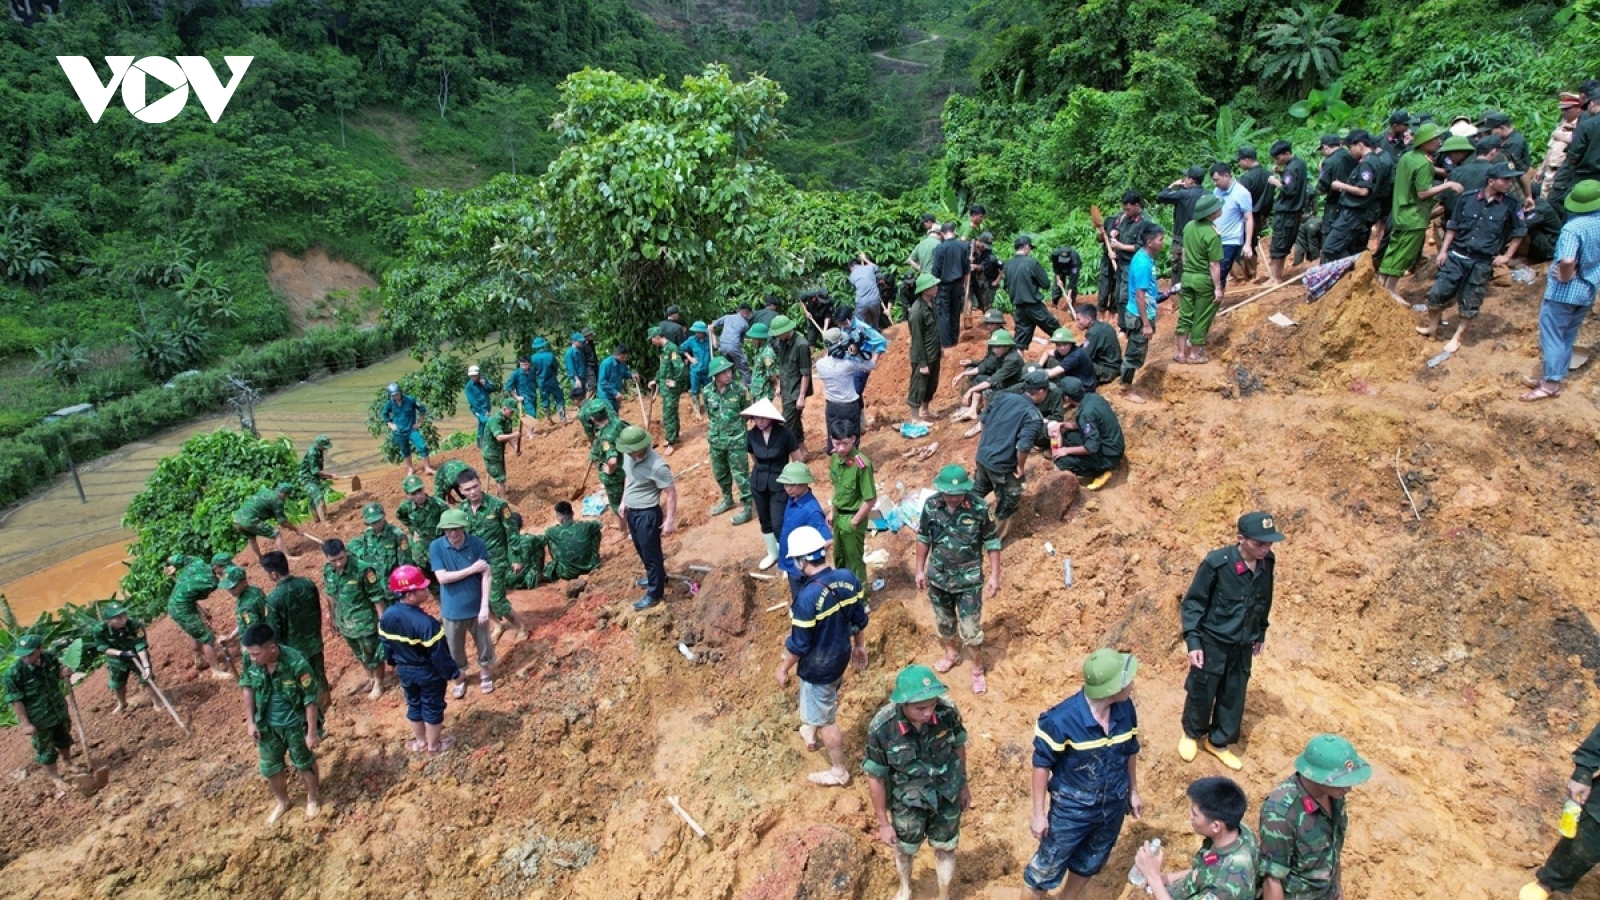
point(500, 430)
point(404, 416)
point(1224, 615)
point(1303, 822)
point(954, 535)
point(263, 514)
point(414, 643)
point(724, 400)
point(194, 582)
point(420, 513)
point(121, 640)
point(35, 687)
point(574, 546)
point(854, 496)
point(356, 600)
point(670, 383)
point(249, 602)
point(605, 455)
point(479, 393)
point(283, 715)
point(294, 611)
point(314, 475)
point(1484, 233)
point(489, 518)
point(916, 769)
point(827, 618)
point(382, 547)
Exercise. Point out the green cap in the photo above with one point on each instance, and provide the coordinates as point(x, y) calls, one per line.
point(915, 684)
point(994, 317)
point(1455, 143)
point(411, 484)
point(796, 473)
point(952, 479)
point(1206, 206)
point(372, 512)
point(1002, 338)
point(112, 610)
point(925, 281)
point(1425, 133)
point(1332, 761)
point(1107, 672)
point(231, 578)
point(633, 439)
point(781, 325)
point(720, 365)
point(1063, 335)
point(653, 331)
point(1258, 526)
point(595, 407)
point(218, 560)
point(453, 518)
point(28, 643)
point(322, 441)
point(177, 559)
point(758, 332)
point(284, 487)
point(1585, 197)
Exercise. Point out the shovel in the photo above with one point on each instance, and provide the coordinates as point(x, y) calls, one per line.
point(584, 484)
point(355, 483)
point(86, 783)
point(148, 673)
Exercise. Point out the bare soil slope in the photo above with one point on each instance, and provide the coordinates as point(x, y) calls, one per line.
point(1458, 651)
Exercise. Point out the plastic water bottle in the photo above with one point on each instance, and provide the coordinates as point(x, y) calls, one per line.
point(1049, 549)
point(1522, 275)
point(1066, 571)
point(1569, 818)
point(1136, 877)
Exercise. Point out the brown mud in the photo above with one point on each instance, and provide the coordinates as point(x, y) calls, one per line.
point(1457, 651)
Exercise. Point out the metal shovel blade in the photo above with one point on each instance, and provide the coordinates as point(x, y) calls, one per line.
point(1441, 357)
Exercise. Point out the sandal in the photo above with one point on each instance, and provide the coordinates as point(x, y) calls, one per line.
point(486, 685)
point(1540, 393)
point(979, 683)
point(459, 691)
point(1200, 360)
point(416, 745)
point(946, 664)
point(444, 744)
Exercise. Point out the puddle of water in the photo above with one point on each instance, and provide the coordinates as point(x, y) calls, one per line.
point(54, 549)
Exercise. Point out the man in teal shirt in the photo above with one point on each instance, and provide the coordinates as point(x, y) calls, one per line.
point(479, 393)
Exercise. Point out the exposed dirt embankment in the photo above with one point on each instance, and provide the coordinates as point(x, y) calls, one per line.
point(1456, 650)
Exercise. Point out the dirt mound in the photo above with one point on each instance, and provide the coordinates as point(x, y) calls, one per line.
point(306, 282)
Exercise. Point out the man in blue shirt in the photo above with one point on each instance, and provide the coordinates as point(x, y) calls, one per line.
point(413, 642)
point(573, 361)
point(1570, 288)
point(801, 509)
point(826, 619)
point(404, 414)
point(614, 372)
point(479, 397)
point(1139, 315)
point(1237, 219)
point(1084, 776)
point(547, 396)
point(697, 353)
point(520, 386)
point(461, 562)
point(730, 331)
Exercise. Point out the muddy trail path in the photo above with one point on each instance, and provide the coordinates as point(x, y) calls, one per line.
point(1457, 652)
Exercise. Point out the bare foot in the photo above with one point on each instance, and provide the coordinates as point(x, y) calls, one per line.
point(221, 673)
point(829, 778)
point(312, 808)
point(903, 894)
point(495, 631)
point(120, 707)
point(376, 692)
point(667, 450)
point(1133, 397)
point(949, 662)
point(278, 810)
point(522, 635)
point(1424, 331)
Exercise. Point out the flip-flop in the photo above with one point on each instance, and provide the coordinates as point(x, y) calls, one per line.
point(1200, 360)
point(416, 745)
point(979, 683)
point(444, 745)
point(486, 685)
point(1539, 393)
point(811, 743)
point(829, 778)
point(459, 691)
point(946, 664)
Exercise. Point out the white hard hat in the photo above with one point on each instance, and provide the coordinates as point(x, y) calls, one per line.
point(471, 371)
point(805, 541)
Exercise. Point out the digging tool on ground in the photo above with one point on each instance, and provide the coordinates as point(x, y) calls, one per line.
point(1100, 226)
point(1254, 297)
point(584, 484)
point(147, 672)
point(355, 483)
point(86, 783)
point(639, 395)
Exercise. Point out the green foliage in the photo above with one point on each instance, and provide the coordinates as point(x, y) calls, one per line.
point(1304, 48)
point(458, 440)
point(71, 626)
point(1325, 109)
point(1227, 133)
point(63, 360)
point(437, 386)
point(187, 506)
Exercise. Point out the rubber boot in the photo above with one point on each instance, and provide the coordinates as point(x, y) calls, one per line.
point(744, 515)
point(771, 559)
point(723, 505)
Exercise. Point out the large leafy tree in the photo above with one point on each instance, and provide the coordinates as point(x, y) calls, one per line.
point(1304, 49)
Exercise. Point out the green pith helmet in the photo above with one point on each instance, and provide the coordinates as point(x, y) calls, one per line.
point(952, 479)
point(1456, 144)
point(453, 518)
point(758, 332)
point(719, 365)
point(372, 513)
point(28, 643)
point(796, 473)
point(1107, 672)
point(925, 281)
point(1063, 335)
point(595, 407)
point(994, 317)
point(915, 684)
point(781, 325)
point(285, 487)
point(218, 560)
point(411, 484)
point(178, 559)
point(322, 441)
point(1332, 761)
point(1002, 338)
point(633, 439)
point(112, 610)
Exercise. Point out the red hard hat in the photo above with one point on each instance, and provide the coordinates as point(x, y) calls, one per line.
point(406, 579)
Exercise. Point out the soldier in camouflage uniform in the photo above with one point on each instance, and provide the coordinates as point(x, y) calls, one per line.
point(574, 546)
point(194, 581)
point(725, 399)
point(763, 364)
point(294, 611)
point(489, 518)
point(527, 556)
point(444, 481)
point(262, 515)
point(314, 475)
point(382, 547)
point(420, 513)
point(672, 379)
point(1224, 868)
point(120, 640)
point(501, 429)
point(249, 602)
point(1303, 822)
point(356, 599)
point(954, 536)
point(35, 686)
point(1575, 854)
point(604, 453)
point(916, 768)
point(281, 691)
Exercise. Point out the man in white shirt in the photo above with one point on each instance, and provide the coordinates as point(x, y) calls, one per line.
point(1236, 220)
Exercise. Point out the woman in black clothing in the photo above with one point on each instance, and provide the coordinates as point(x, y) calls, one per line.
point(771, 446)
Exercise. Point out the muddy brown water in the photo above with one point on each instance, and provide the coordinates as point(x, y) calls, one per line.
point(56, 550)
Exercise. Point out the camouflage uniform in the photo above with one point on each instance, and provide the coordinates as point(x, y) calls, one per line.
point(260, 515)
point(194, 583)
point(128, 638)
point(528, 551)
point(492, 524)
point(294, 610)
point(422, 520)
point(957, 541)
point(494, 452)
point(730, 455)
point(40, 690)
point(672, 379)
point(1228, 873)
point(355, 593)
point(444, 480)
point(574, 549)
point(311, 466)
point(590, 430)
point(605, 450)
point(383, 551)
point(250, 609)
point(1300, 844)
point(921, 772)
point(281, 697)
point(763, 373)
